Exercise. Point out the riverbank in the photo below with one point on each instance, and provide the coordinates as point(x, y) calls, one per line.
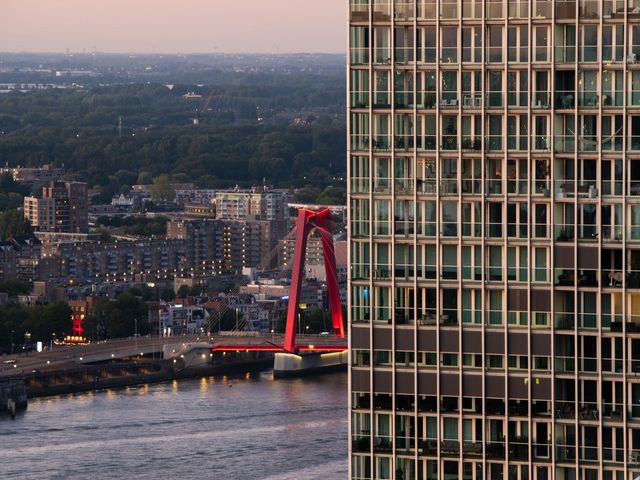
point(84, 378)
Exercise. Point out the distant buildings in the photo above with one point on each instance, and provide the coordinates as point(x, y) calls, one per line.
point(63, 207)
point(34, 176)
point(254, 204)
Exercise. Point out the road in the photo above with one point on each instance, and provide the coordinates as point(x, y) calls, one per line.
point(67, 356)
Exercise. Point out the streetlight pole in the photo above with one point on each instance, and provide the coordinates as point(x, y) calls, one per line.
point(12, 332)
point(136, 330)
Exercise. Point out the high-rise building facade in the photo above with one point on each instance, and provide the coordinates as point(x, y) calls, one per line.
point(494, 189)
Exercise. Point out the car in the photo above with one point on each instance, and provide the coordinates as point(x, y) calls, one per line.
point(9, 361)
point(325, 333)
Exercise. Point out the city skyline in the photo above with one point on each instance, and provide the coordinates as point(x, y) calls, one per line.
point(197, 26)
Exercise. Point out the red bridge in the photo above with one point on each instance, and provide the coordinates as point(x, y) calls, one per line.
point(308, 221)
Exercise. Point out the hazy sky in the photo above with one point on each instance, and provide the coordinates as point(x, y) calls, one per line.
point(173, 25)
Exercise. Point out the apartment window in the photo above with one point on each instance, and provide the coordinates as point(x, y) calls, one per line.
point(494, 220)
point(382, 265)
point(472, 44)
point(381, 45)
point(426, 89)
point(359, 88)
point(495, 43)
point(494, 311)
point(359, 45)
point(541, 270)
point(403, 85)
point(517, 132)
point(494, 269)
point(382, 175)
point(612, 88)
point(403, 45)
point(517, 264)
point(471, 219)
point(588, 41)
point(494, 142)
point(495, 361)
point(565, 44)
point(359, 138)
point(494, 94)
point(449, 83)
point(360, 304)
point(613, 43)
point(518, 44)
point(471, 8)
point(517, 220)
point(518, 88)
point(541, 44)
point(426, 219)
point(471, 127)
point(381, 358)
point(634, 43)
point(471, 306)
point(426, 45)
point(382, 304)
point(449, 219)
point(381, 89)
point(449, 264)
point(449, 359)
point(471, 262)
point(588, 92)
point(449, 44)
point(541, 98)
point(382, 217)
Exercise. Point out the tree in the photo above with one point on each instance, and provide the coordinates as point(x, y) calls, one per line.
point(167, 294)
point(144, 178)
point(117, 318)
point(13, 223)
point(14, 287)
point(162, 190)
point(183, 291)
point(45, 320)
point(308, 194)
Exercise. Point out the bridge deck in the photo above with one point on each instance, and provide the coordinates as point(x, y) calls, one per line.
point(62, 357)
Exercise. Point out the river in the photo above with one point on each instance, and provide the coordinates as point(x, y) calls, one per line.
point(244, 426)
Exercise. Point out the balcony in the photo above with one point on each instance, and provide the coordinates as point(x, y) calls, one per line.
point(589, 9)
point(471, 100)
point(494, 99)
point(358, 11)
point(588, 99)
point(542, 9)
point(361, 442)
point(404, 12)
point(382, 444)
point(542, 100)
point(449, 447)
point(565, 99)
point(382, 12)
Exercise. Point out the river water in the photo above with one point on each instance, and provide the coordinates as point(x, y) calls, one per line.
point(244, 426)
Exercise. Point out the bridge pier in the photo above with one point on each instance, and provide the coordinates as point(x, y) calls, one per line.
point(292, 365)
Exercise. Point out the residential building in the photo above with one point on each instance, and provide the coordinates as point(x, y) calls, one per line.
point(494, 178)
point(257, 204)
point(34, 175)
point(63, 207)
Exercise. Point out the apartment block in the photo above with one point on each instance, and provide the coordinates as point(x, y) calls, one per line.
point(63, 207)
point(494, 239)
